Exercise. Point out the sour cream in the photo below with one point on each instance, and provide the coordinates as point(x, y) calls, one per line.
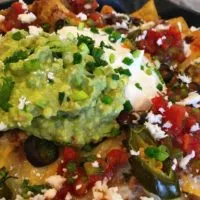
point(143, 83)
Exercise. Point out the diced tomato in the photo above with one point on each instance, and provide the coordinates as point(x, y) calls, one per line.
point(17, 8)
point(61, 194)
point(190, 121)
point(97, 19)
point(117, 157)
point(92, 180)
point(176, 114)
point(159, 102)
point(70, 154)
point(80, 187)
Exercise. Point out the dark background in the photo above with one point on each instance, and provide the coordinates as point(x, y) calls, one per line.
point(165, 8)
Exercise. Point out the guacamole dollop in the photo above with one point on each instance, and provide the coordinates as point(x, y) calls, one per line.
point(60, 90)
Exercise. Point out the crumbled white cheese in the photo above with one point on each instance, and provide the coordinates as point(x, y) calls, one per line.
point(146, 198)
point(122, 25)
point(34, 30)
point(192, 99)
point(160, 40)
point(82, 16)
point(68, 196)
point(152, 118)
point(87, 6)
point(195, 128)
point(184, 78)
point(78, 187)
point(27, 18)
point(167, 124)
point(141, 37)
point(169, 104)
point(95, 164)
point(24, 5)
point(156, 132)
point(193, 28)
point(19, 197)
point(56, 181)
point(184, 161)
point(186, 49)
point(102, 191)
point(3, 126)
point(161, 110)
point(161, 27)
point(50, 194)
point(23, 102)
point(2, 18)
point(134, 153)
point(175, 163)
point(50, 76)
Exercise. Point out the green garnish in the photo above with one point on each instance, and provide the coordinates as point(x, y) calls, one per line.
point(142, 67)
point(159, 76)
point(115, 132)
point(61, 97)
point(77, 58)
point(90, 66)
point(159, 153)
point(94, 30)
point(81, 26)
point(136, 53)
point(71, 167)
point(115, 77)
point(120, 70)
point(5, 93)
point(46, 27)
point(109, 30)
point(4, 176)
point(97, 53)
point(31, 65)
point(17, 36)
point(107, 99)
point(138, 86)
point(102, 45)
point(148, 71)
point(112, 58)
point(87, 40)
point(127, 61)
point(114, 36)
point(159, 86)
point(127, 106)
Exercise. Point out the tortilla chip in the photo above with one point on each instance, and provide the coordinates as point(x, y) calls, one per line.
point(148, 12)
point(106, 10)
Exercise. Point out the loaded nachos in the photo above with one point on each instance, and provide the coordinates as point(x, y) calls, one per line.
point(98, 105)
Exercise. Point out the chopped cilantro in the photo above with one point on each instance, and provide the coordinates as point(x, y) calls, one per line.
point(71, 167)
point(61, 97)
point(109, 30)
point(159, 86)
point(120, 70)
point(114, 36)
point(77, 58)
point(5, 92)
point(115, 77)
point(17, 36)
point(127, 106)
point(107, 99)
point(94, 30)
point(127, 61)
point(136, 53)
point(138, 86)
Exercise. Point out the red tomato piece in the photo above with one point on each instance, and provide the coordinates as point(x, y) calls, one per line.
point(80, 187)
point(97, 19)
point(159, 102)
point(61, 194)
point(70, 154)
point(92, 180)
point(189, 123)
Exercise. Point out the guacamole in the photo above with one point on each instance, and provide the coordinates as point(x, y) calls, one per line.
point(60, 90)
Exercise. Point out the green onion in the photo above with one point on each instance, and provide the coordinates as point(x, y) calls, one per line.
point(81, 26)
point(159, 76)
point(90, 66)
point(120, 70)
point(127, 106)
point(138, 86)
point(159, 86)
point(115, 77)
point(114, 36)
point(17, 36)
point(71, 167)
point(61, 97)
point(136, 53)
point(94, 30)
point(142, 67)
point(127, 61)
point(97, 53)
point(107, 100)
point(148, 71)
point(77, 58)
point(102, 45)
point(84, 48)
point(109, 30)
point(112, 58)
point(46, 27)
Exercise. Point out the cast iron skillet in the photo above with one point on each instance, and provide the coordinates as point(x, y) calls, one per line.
point(165, 8)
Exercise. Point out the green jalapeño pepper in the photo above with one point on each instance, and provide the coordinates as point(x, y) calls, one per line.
point(152, 170)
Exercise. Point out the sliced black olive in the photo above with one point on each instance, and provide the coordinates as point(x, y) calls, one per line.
point(135, 21)
point(5, 192)
point(60, 24)
point(166, 73)
point(40, 152)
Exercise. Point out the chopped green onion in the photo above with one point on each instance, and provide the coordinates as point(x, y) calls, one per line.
point(109, 30)
point(90, 66)
point(46, 27)
point(71, 167)
point(79, 95)
point(148, 71)
point(107, 100)
point(142, 67)
point(17, 36)
point(84, 48)
point(112, 58)
point(61, 97)
point(114, 36)
point(127, 106)
point(136, 53)
point(81, 26)
point(120, 70)
point(159, 76)
point(159, 86)
point(138, 86)
point(87, 40)
point(127, 61)
point(94, 30)
point(97, 53)
point(77, 58)
point(102, 45)
point(115, 77)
